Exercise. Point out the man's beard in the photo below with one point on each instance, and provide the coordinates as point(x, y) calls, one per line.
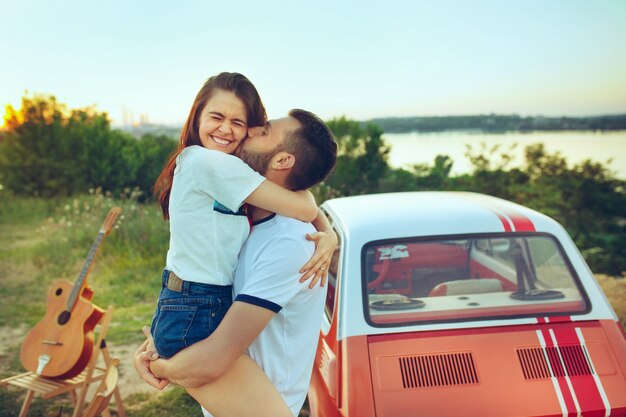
point(258, 161)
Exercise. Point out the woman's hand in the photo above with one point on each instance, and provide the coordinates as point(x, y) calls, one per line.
point(143, 359)
point(317, 267)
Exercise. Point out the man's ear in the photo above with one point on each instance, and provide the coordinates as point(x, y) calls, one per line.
point(282, 160)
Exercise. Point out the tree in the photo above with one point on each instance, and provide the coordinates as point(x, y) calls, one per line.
point(154, 151)
point(362, 157)
point(36, 147)
point(491, 173)
point(586, 199)
point(48, 150)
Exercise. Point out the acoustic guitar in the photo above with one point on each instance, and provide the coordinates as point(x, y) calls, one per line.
point(61, 344)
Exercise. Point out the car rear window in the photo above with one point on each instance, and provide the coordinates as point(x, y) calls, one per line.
point(465, 278)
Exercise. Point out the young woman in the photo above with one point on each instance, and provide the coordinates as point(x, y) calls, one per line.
point(202, 190)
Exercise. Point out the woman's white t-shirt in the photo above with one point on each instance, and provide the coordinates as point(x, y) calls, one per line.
point(207, 226)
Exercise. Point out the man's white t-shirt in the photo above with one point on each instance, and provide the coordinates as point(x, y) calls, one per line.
point(207, 226)
point(268, 276)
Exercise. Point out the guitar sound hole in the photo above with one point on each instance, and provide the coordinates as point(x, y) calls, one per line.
point(59, 291)
point(64, 317)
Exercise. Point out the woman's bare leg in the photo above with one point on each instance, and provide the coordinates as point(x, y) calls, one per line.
point(243, 391)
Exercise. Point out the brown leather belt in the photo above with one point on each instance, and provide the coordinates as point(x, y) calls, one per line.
point(174, 283)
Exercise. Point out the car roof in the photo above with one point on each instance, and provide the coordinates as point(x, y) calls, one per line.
point(363, 219)
point(433, 213)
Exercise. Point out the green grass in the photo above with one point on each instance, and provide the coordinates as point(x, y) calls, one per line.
point(46, 240)
point(173, 402)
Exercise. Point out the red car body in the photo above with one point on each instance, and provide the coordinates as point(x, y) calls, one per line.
point(449, 304)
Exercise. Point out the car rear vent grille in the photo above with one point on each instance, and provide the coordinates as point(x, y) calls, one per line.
point(438, 370)
point(551, 361)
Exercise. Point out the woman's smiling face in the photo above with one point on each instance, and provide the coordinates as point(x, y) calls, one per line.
point(223, 122)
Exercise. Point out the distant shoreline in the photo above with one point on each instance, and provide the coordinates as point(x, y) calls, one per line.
point(499, 123)
point(500, 132)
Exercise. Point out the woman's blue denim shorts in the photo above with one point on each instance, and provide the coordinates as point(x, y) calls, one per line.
point(186, 313)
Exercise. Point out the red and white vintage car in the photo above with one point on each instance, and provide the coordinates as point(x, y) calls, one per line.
point(461, 304)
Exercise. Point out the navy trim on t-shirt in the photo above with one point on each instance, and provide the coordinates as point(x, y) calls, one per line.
point(263, 220)
point(258, 302)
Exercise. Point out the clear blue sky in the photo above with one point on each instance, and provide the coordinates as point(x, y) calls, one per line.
point(361, 58)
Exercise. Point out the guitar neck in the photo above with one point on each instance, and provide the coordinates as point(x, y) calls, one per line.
point(80, 281)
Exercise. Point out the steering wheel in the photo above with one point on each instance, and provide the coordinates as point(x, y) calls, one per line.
point(382, 275)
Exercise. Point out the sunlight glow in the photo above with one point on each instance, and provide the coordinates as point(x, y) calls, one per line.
point(11, 117)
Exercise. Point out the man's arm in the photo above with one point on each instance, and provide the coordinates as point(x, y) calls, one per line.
point(207, 360)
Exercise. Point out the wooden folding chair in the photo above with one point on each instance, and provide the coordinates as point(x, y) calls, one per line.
point(77, 387)
point(99, 404)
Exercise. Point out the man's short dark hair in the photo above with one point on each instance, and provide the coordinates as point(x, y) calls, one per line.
point(314, 147)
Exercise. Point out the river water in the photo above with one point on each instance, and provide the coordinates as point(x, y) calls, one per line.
point(575, 146)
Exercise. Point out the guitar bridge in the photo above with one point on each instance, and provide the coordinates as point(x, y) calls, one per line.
point(52, 343)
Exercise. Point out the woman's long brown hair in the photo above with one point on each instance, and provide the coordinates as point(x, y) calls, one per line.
point(234, 82)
